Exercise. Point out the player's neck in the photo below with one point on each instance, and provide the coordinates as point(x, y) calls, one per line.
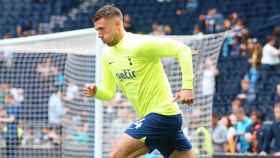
point(120, 36)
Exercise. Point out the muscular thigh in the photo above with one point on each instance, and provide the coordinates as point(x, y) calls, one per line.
point(139, 152)
point(128, 146)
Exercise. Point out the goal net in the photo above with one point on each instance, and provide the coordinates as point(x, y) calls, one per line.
point(43, 112)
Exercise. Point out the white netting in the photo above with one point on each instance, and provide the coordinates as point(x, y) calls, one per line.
point(71, 64)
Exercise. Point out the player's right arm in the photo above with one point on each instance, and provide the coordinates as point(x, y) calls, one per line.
point(107, 89)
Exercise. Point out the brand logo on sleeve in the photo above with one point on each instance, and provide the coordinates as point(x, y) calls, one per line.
point(126, 74)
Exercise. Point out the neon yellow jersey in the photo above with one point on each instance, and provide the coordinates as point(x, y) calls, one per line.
point(134, 66)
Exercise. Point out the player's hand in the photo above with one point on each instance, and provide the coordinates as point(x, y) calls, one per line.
point(185, 96)
point(90, 90)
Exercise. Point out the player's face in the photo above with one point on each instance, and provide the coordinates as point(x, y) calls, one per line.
point(106, 29)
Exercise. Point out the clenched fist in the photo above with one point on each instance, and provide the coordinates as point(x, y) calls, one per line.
point(184, 96)
point(90, 90)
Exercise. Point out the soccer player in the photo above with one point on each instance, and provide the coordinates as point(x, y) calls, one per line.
point(132, 62)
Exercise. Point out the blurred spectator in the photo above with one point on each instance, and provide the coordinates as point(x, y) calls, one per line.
point(219, 135)
point(191, 5)
point(28, 137)
point(7, 36)
point(56, 109)
point(236, 104)
point(197, 30)
point(225, 121)
point(270, 55)
point(244, 89)
point(246, 96)
point(243, 123)
point(233, 119)
point(25, 28)
point(180, 11)
point(167, 29)
point(236, 46)
point(11, 121)
point(239, 28)
point(233, 18)
point(186, 6)
point(128, 25)
point(253, 132)
point(276, 33)
point(6, 57)
point(72, 91)
point(255, 61)
point(227, 24)
point(231, 138)
point(157, 29)
point(233, 45)
point(201, 26)
point(273, 139)
point(214, 21)
point(45, 136)
point(263, 143)
point(82, 134)
point(18, 94)
point(46, 70)
point(208, 80)
point(227, 46)
point(37, 136)
point(4, 91)
point(58, 78)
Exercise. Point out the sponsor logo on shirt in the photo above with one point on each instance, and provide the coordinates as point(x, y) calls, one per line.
point(126, 74)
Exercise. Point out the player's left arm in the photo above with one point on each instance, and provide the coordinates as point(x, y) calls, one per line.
point(159, 48)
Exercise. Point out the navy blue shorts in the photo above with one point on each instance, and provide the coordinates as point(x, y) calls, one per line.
point(160, 132)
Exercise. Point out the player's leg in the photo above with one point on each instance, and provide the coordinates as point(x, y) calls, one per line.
point(128, 147)
point(183, 147)
point(139, 152)
point(182, 154)
point(173, 144)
